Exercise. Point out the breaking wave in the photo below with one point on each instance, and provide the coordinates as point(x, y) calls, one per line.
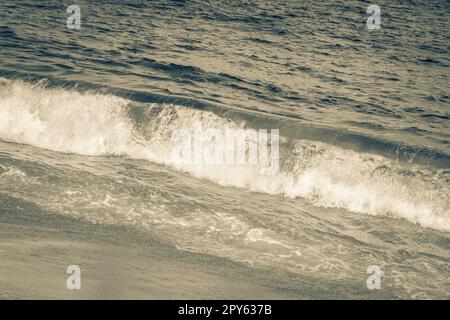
point(325, 173)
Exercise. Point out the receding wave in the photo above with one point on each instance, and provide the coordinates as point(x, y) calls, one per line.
point(362, 180)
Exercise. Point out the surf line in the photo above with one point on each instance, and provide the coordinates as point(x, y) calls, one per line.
point(190, 310)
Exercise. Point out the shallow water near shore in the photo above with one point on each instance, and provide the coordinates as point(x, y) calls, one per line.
point(298, 252)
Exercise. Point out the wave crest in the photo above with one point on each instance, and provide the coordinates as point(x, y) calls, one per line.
point(327, 175)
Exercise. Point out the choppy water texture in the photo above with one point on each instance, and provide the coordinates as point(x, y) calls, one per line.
point(86, 118)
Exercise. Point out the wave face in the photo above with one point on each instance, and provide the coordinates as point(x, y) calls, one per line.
point(326, 175)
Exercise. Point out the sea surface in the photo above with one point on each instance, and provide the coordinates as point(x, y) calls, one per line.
point(86, 123)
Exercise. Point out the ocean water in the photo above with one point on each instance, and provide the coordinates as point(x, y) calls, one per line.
point(87, 117)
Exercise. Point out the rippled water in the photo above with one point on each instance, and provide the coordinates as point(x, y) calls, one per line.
point(86, 118)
